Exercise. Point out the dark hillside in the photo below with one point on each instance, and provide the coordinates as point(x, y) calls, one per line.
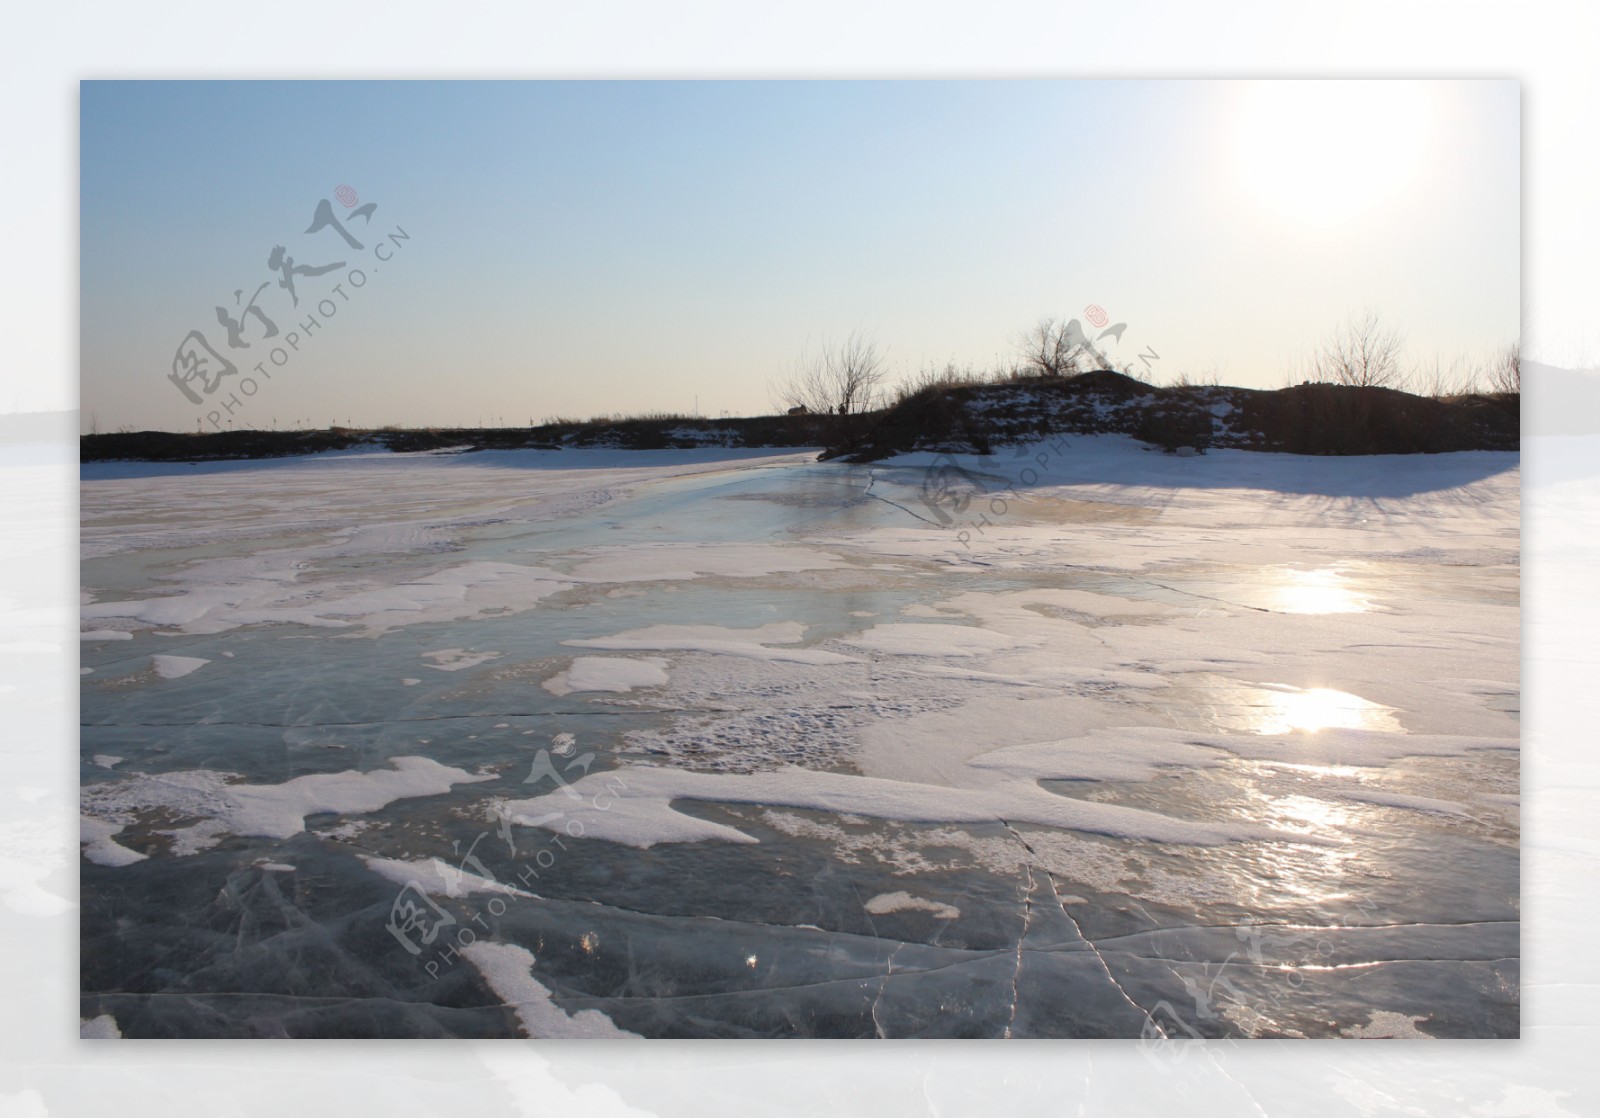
point(1308, 419)
point(1312, 419)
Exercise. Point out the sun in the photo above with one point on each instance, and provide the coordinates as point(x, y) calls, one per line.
point(1323, 152)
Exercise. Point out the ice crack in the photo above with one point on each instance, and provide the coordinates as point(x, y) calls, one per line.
point(1100, 959)
point(884, 982)
point(1153, 1024)
point(1027, 922)
point(872, 480)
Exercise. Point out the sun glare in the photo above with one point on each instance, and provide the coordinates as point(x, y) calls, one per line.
point(1322, 152)
point(1323, 591)
point(1314, 709)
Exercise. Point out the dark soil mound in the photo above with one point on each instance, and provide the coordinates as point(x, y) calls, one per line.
point(1312, 419)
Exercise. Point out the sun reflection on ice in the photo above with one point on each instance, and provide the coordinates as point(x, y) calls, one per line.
point(1323, 591)
point(1304, 815)
point(1314, 871)
point(1313, 709)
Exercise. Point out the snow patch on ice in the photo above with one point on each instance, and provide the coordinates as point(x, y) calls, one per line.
point(933, 640)
point(1390, 799)
point(271, 811)
point(737, 715)
point(507, 969)
point(98, 845)
point(101, 1028)
point(1125, 754)
point(454, 660)
point(437, 877)
point(220, 595)
point(1389, 1024)
point(638, 806)
point(608, 674)
point(170, 667)
point(756, 644)
point(899, 901)
point(651, 563)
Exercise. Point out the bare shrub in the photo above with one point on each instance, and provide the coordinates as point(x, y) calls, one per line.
point(1007, 371)
point(950, 376)
point(1362, 352)
point(1439, 379)
point(1500, 373)
point(1194, 380)
point(1505, 370)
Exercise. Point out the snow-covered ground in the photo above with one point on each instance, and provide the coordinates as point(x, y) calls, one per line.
point(1073, 740)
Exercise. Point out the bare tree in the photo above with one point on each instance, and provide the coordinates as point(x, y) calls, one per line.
point(1049, 349)
point(843, 379)
point(1505, 371)
point(841, 384)
point(1362, 352)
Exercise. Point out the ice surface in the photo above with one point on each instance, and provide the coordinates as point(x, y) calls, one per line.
point(741, 744)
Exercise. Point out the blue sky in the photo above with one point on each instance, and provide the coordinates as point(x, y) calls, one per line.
point(589, 247)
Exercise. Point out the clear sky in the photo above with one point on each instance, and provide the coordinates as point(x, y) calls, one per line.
point(576, 248)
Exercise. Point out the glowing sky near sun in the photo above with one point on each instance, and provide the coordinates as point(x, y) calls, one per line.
point(592, 247)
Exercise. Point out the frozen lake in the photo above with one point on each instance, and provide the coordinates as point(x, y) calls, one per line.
point(1074, 740)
